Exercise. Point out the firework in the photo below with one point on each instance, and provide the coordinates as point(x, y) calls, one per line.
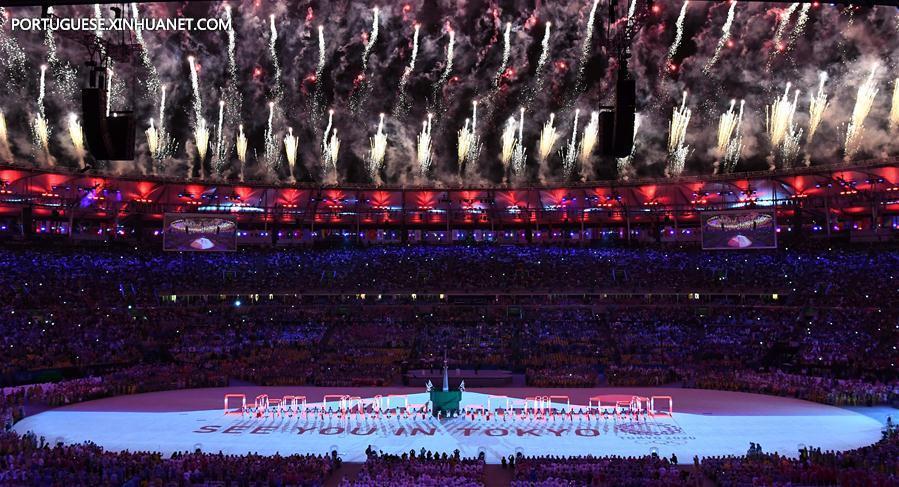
point(519, 154)
point(863, 103)
point(423, 148)
point(782, 27)
point(318, 94)
point(469, 148)
point(241, 145)
point(508, 142)
point(589, 140)
point(201, 139)
point(450, 48)
point(5, 152)
point(152, 139)
point(816, 107)
point(625, 165)
point(894, 108)
point(277, 90)
point(403, 104)
point(588, 43)
point(800, 24)
point(109, 95)
point(221, 153)
point(779, 117)
point(13, 58)
point(679, 33)
point(725, 36)
point(152, 81)
point(548, 138)
point(506, 50)
point(271, 154)
point(571, 152)
point(76, 134)
point(290, 148)
point(378, 151)
point(544, 53)
point(790, 148)
point(330, 150)
point(678, 151)
point(372, 38)
point(197, 101)
point(40, 130)
point(63, 73)
point(730, 138)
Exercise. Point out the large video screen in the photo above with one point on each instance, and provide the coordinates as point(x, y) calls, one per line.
point(199, 233)
point(739, 229)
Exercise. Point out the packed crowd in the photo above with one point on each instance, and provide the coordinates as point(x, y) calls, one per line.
point(588, 470)
point(113, 276)
point(27, 460)
point(425, 469)
point(876, 465)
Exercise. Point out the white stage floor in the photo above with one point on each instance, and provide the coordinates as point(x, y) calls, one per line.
point(170, 421)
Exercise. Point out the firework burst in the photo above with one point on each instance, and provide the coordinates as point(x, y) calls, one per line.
point(679, 31)
point(423, 148)
point(571, 151)
point(548, 138)
point(894, 108)
point(678, 151)
point(291, 143)
point(725, 36)
point(378, 151)
point(76, 135)
point(863, 102)
point(816, 107)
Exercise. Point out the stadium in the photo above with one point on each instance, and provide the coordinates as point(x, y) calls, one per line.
point(648, 242)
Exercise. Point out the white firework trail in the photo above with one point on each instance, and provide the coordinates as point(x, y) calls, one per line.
point(800, 24)
point(507, 39)
point(725, 36)
point(894, 108)
point(330, 147)
point(76, 134)
point(816, 107)
point(278, 89)
point(790, 148)
point(588, 43)
point(241, 148)
point(318, 94)
point(508, 142)
point(548, 138)
point(13, 56)
point(423, 148)
point(110, 74)
point(448, 68)
point(65, 76)
point(730, 139)
point(5, 152)
point(152, 81)
point(570, 154)
point(403, 104)
point(201, 140)
point(863, 103)
point(291, 143)
point(232, 93)
point(197, 101)
point(519, 155)
point(152, 134)
point(42, 91)
point(469, 147)
point(782, 27)
point(378, 151)
point(625, 165)
point(589, 140)
point(678, 151)
point(333, 154)
point(463, 147)
point(221, 152)
point(679, 33)
point(544, 53)
point(372, 38)
point(271, 154)
point(779, 117)
point(40, 130)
